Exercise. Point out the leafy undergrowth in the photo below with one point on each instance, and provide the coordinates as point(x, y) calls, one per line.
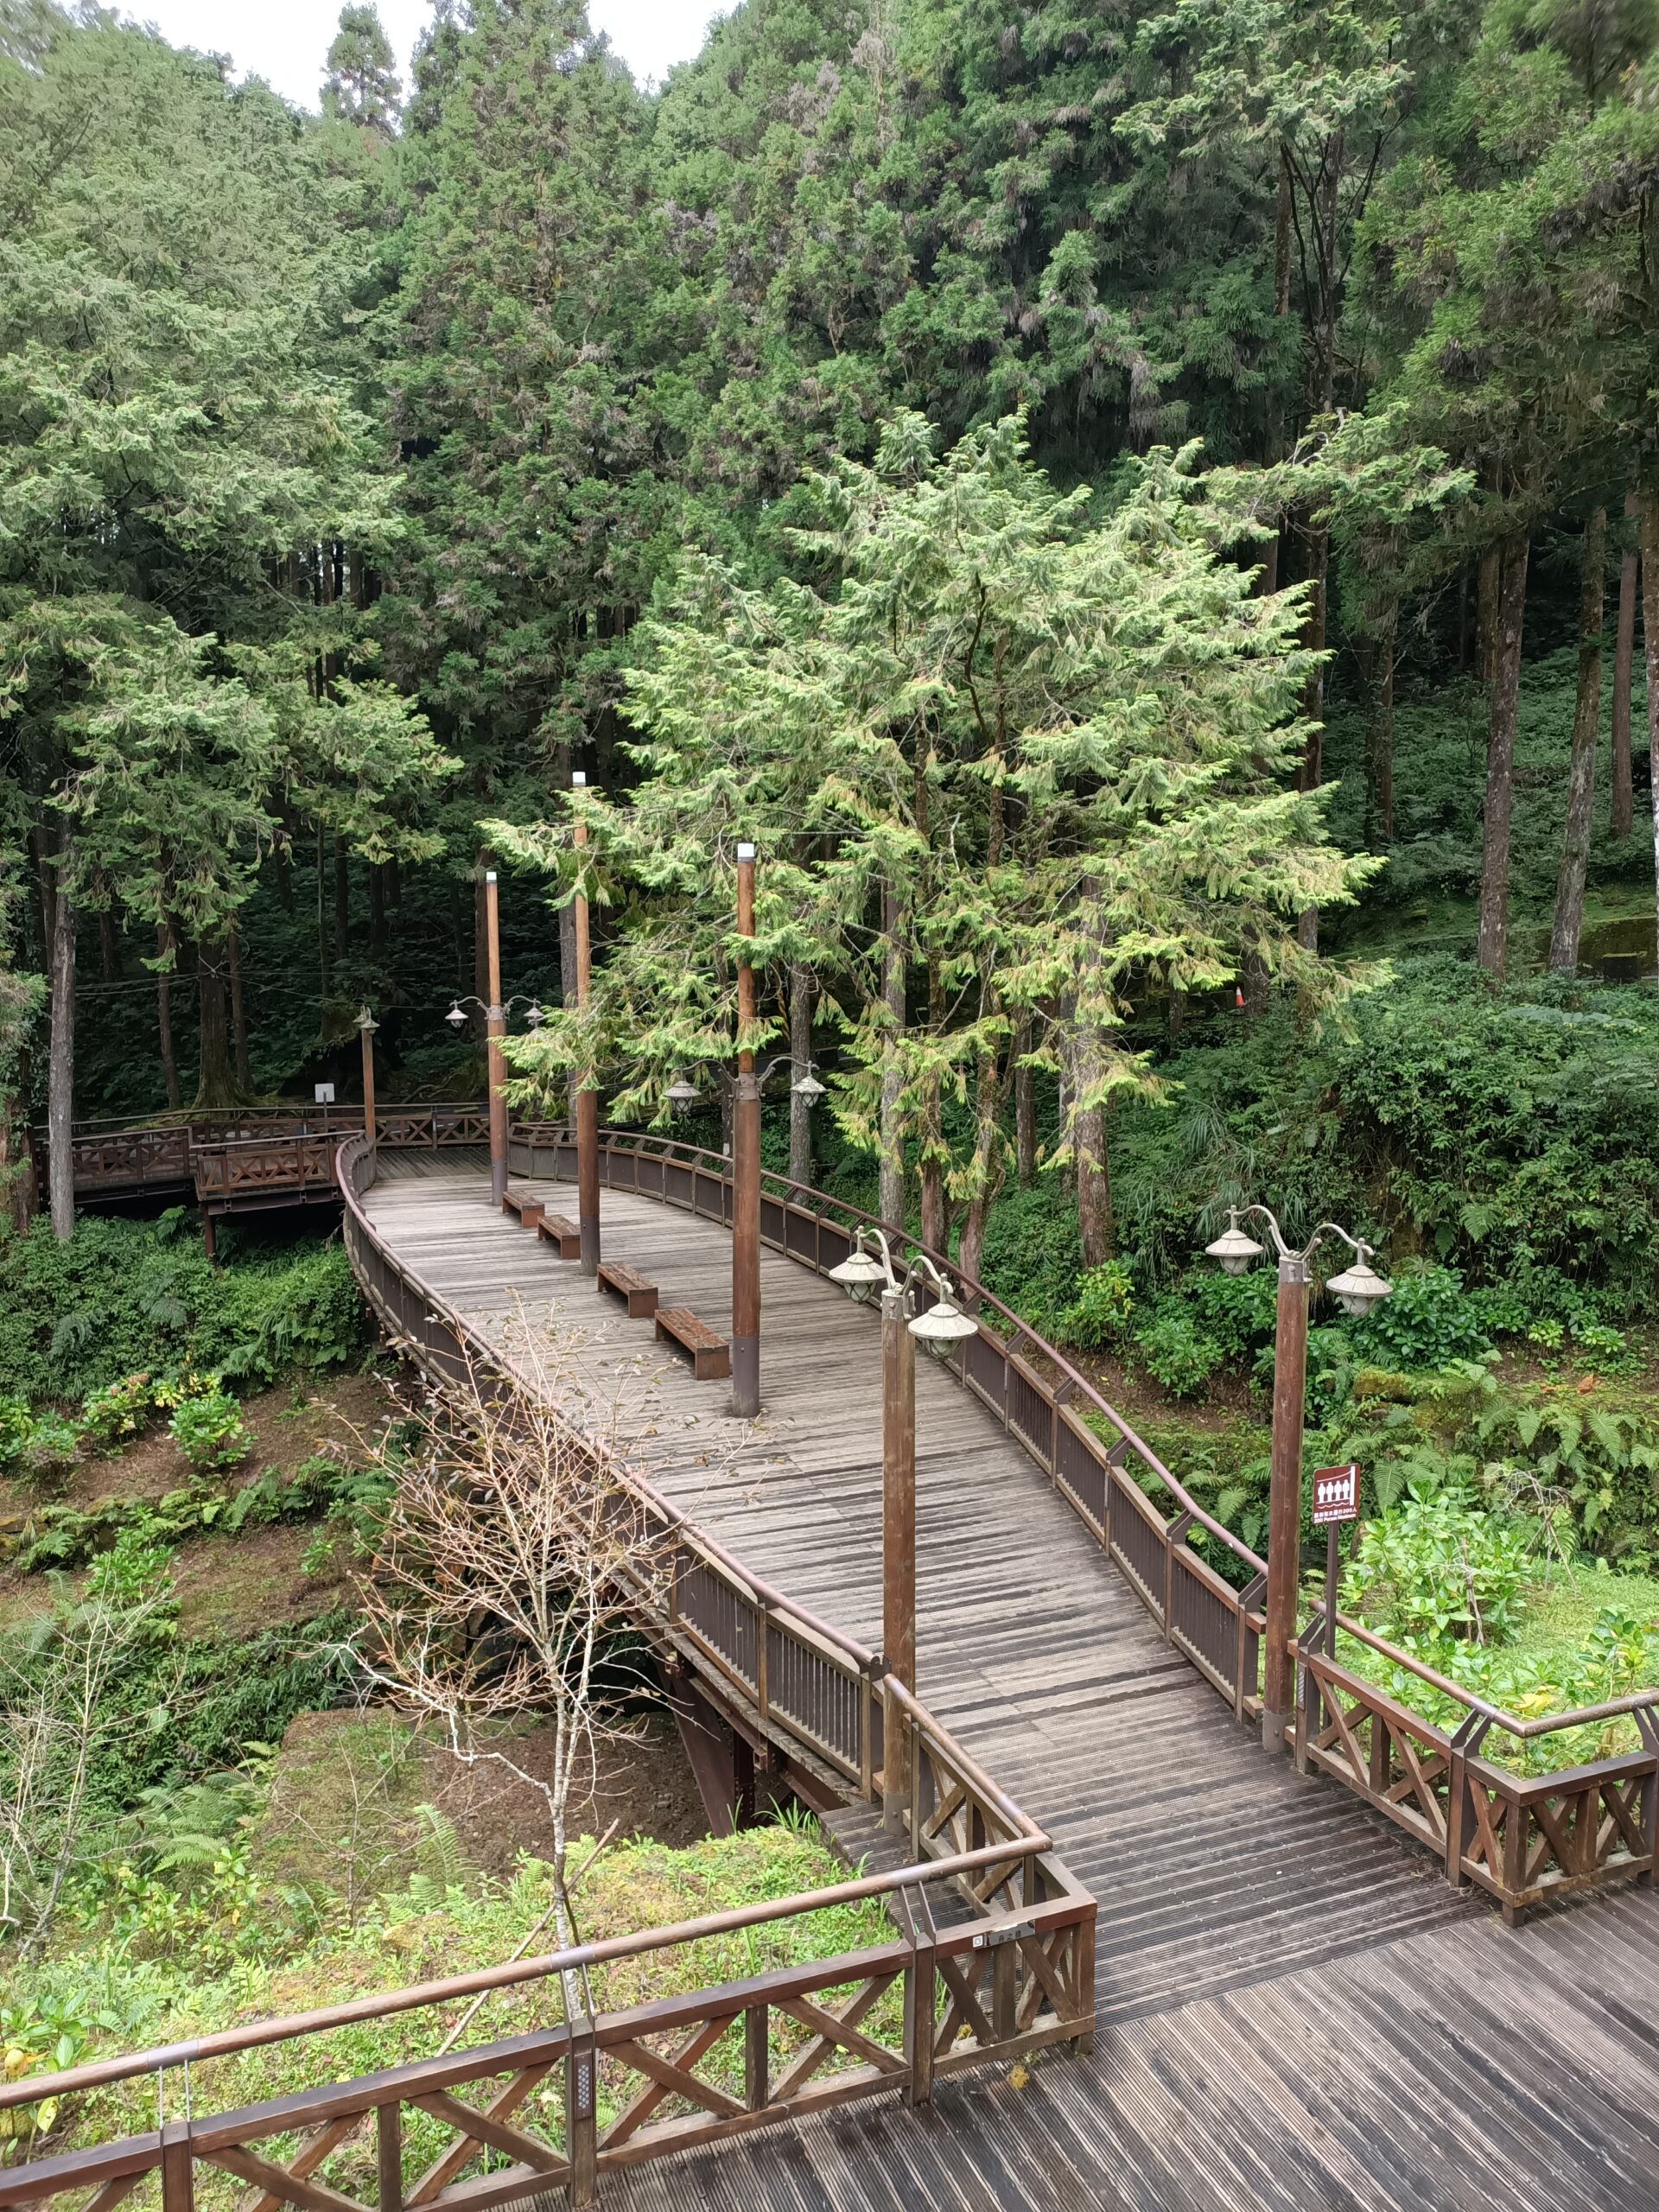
point(427, 1930)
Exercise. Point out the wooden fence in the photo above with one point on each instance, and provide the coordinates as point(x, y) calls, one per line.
point(626, 2087)
point(1523, 1837)
point(1010, 1972)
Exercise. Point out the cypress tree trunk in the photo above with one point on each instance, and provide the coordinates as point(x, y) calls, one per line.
point(164, 1017)
point(1488, 580)
point(932, 1132)
point(1379, 763)
point(1581, 775)
point(1624, 806)
point(1087, 1131)
point(238, 1012)
point(800, 1066)
point(215, 1077)
point(377, 937)
point(890, 1204)
point(342, 898)
point(989, 1096)
point(1492, 942)
point(1025, 1111)
point(1650, 514)
point(109, 946)
point(60, 1064)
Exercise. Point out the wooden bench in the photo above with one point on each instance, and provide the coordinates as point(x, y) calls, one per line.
point(711, 1356)
point(529, 1210)
point(629, 1285)
point(563, 1234)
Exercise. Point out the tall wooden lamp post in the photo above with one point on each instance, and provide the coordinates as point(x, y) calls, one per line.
point(587, 1093)
point(863, 1275)
point(366, 1025)
point(746, 1174)
point(495, 1016)
point(1359, 1287)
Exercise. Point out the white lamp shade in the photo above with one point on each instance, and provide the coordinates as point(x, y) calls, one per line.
point(1358, 1288)
point(1235, 1250)
point(943, 1327)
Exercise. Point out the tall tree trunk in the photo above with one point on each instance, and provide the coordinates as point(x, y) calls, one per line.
point(1624, 806)
point(61, 1065)
point(1489, 579)
point(932, 1127)
point(238, 1011)
point(800, 1066)
point(164, 946)
point(988, 1098)
point(379, 934)
point(16, 1165)
point(109, 944)
point(1025, 1110)
point(215, 1076)
point(1650, 514)
point(342, 899)
point(561, 770)
point(1379, 761)
point(1086, 1130)
point(890, 1204)
point(1500, 759)
point(1581, 774)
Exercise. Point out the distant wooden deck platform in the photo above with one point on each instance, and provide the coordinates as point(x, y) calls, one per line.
point(1295, 2010)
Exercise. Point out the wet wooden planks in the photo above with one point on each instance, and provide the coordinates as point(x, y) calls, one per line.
point(1297, 2010)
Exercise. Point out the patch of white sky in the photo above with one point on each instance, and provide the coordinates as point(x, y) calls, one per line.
point(284, 40)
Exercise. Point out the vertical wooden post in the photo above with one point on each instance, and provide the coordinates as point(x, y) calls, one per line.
point(586, 1100)
point(898, 1491)
point(746, 1174)
point(757, 2059)
point(366, 1027)
point(178, 2168)
point(496, 1025)
point(895, 1765)
point(389, 2144)
point(921, 2026)
point(581, 2114)
point(1285, 1501)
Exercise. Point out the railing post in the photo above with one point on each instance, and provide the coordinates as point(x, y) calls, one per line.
point(921, 2030)
point(897, 1786)
point(178, 2168)
point(762, 1638)
point(581, 2109)
point(757, 2059)
point(1175, 1534)
point(389, 2146)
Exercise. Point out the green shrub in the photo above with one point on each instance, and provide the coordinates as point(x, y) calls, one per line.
point(1441, 1566)
point(1428, 1322)
point(15, 1422)
point(1240, 1311)
point(1032, 1257)
point(210, 1431)
point(50, 1448)
point(1175, 1351)
point(121, 1296)
point(108, 1416)
point(1100, 1313)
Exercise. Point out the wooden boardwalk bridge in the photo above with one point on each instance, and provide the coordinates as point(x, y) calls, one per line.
point(1292, 2006)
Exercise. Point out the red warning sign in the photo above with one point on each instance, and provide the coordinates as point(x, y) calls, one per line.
point(1336, 1494)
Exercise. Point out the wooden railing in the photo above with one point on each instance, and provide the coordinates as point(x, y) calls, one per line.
point(632, 2085)
point(1039, 1400)
point(1523, 1837)
point(183, 1150)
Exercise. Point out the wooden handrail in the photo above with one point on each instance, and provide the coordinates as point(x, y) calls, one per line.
point(256, 2034)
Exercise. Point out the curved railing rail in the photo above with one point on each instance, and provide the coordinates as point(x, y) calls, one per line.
point(1219, 1627)
point(1013, 1974)
point(1524, 1838)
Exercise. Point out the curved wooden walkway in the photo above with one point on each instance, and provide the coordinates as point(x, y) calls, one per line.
point(1295, 2010)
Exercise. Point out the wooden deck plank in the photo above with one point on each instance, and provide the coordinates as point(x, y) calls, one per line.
point(1297, 2011)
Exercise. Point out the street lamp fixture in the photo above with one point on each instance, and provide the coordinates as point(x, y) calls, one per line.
point(808, 1087)
point(1233, 1247)
point(681, 1095)
point(366, 1027)
point(869, 1269)
point(1359, 1287)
